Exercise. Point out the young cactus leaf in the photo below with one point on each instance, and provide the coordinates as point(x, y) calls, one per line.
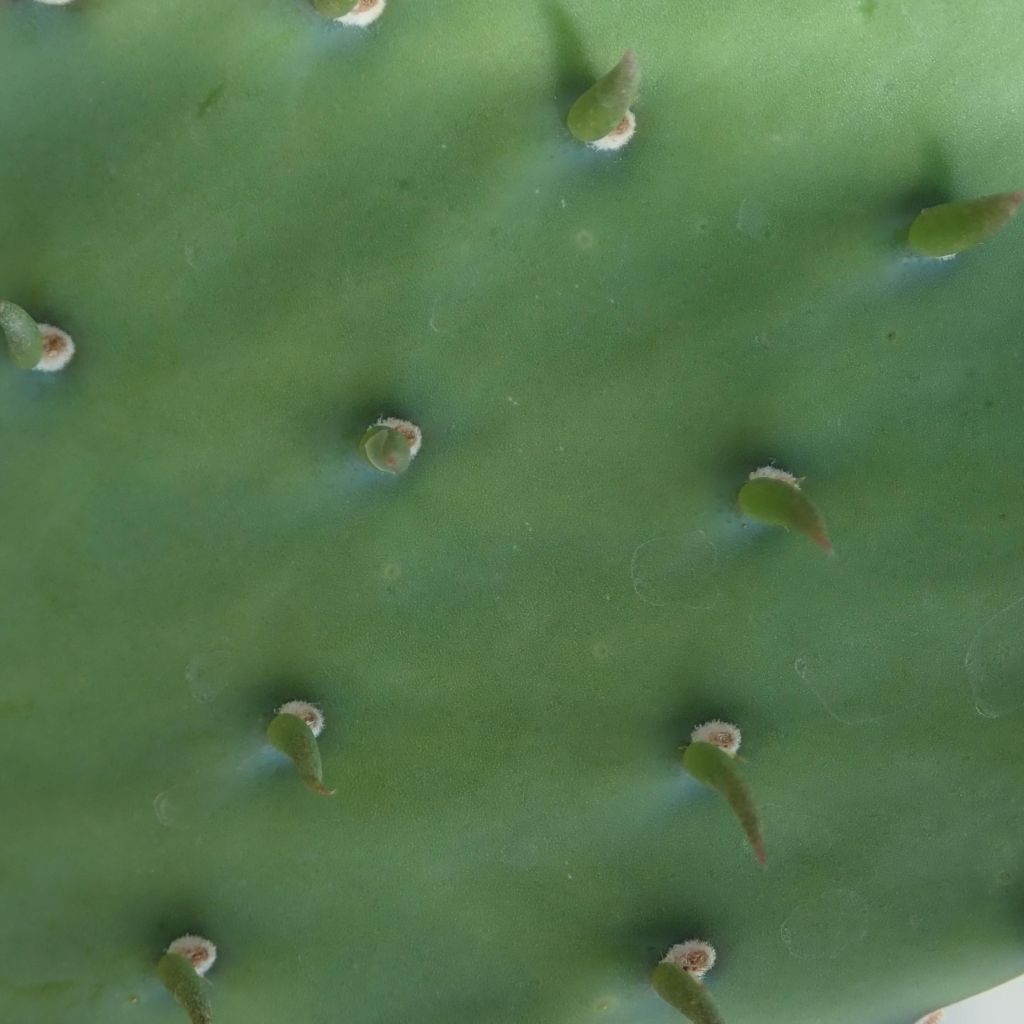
point(294, 738)
point(603, 106)
point(950, 228)
point(715, 768)
point(24, 339)
point(774, 497)
point(179, 977)
point(683, 991)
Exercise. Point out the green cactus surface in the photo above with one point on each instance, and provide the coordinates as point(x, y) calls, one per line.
point(265, 230)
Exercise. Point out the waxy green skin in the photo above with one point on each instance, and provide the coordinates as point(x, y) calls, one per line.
point(262, 230)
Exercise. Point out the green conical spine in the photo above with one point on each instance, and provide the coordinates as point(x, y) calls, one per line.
point(682, 990)
point(295, 739)
point(600, 109)
point(24, 339)
point(180, 979)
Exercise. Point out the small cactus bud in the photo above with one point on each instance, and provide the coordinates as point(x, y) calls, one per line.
point(773, 496)
point(34, 346)
point(181, 969)
point(391, 444)
point(293, 731)
point(948, 229)
point(681, 989)
point(603, 110)
point(24, 339)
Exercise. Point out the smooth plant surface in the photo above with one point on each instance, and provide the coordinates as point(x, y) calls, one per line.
point(264, 230)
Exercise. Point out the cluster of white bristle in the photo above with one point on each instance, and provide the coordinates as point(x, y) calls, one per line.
point(619, 135)
point(309, 713)
point(366, 12)
point(199, 952)
point(719, 734)
point(695, 956)
point(58, 348)
point(772, 473)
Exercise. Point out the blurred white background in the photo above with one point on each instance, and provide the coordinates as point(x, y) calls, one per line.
point(1003, 1005)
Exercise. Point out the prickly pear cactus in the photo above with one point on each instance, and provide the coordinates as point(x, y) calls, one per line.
point(270, 232)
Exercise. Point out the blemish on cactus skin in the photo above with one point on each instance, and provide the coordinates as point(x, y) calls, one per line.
point(391, 444)
point(933, 1018)
point(944, 231)
point(695, 956)
point(682, 990)
point(181, 971)
point(773, 496)
point(723, 735)
point(602, 110)
point(55, 3)
point(619, 136)
point(713, 767)
point(293, 732)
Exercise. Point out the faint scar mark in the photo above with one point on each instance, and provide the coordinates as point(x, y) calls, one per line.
point(804, 671)
point(994, 661)
point(671, 570)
